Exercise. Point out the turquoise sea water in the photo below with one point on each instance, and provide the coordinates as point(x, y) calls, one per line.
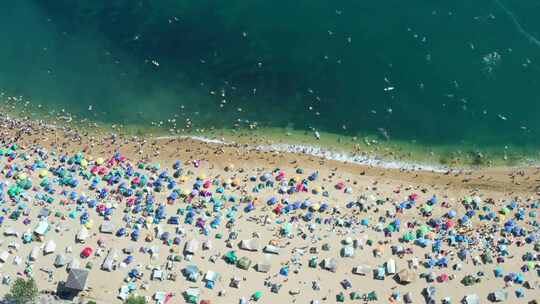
point(435, 73)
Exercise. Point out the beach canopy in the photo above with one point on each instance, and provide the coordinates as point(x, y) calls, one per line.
point(77, 279)
point(249, 245)
point(363, 269)
point(390, 266)
point(191, 295)
point(499, 295)
point(271, 249)
point(191, 273)
point(263, 267)
point(347, 251)
point(244, 263)
point(471, 299)
point(405, 276)
point(50, 247)
point(107, 227)
point(330, 264)
point(82, 235)
point(110, 260)
point(42, 228)
point(191, 247)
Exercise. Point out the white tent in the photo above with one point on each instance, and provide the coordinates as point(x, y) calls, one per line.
point(263, 267)
point(50, 247)
point(406, 276)
point(123, 293)
point(391, 266)
point(271, 249)
point(4, 256)
point(211, 276)
point(82, 235)
point(330, 264)
point(249, 245)
point(363, 269)
point(107, 227)
point(157, 274)
point(74, 263)
point(499, 295)
point(471, 299)
point(207, 245)
point(41, 228)
point(347, 251)
point(11, 232)
point(34, 253)
point(191, 247)
point(109, 264)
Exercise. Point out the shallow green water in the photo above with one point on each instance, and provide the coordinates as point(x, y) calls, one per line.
point(436, 73)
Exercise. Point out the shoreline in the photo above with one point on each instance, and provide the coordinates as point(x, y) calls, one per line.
point(368, 149)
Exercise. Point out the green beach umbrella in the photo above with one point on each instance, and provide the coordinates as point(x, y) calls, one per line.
point(257, 295)
point(409, 236)
point(427, 208)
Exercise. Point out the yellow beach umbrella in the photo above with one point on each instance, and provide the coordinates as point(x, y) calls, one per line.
point(43, 173)
point(89, 224)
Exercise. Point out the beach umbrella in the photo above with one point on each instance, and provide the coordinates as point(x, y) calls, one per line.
point(86, 252)
point(408, 236)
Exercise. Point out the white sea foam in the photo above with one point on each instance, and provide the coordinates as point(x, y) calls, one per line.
point(326, 154)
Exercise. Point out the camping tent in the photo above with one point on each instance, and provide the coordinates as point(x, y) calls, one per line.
point(77, 278)
point(60, 260)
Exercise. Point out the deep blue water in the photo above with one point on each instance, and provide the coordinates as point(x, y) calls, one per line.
point(436, 72)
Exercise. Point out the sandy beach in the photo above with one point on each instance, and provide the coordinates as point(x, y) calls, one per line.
point(253, 189)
